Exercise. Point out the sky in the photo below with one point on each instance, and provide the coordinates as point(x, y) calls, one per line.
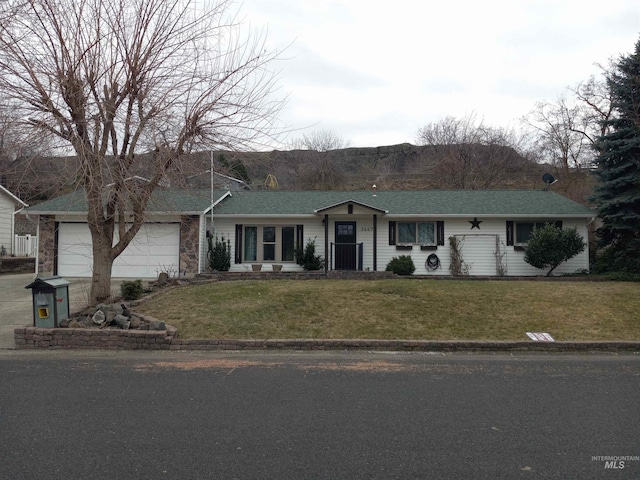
point(374, 72)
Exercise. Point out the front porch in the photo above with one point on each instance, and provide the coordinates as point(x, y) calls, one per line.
point(353, 243)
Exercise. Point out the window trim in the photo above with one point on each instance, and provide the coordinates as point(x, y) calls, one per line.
point(536, 224)
point(406, 245)
point(277, 244)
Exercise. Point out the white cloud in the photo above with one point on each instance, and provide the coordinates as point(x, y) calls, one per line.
point(376, 71)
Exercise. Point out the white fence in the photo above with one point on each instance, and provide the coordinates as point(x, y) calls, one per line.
point(25, 245)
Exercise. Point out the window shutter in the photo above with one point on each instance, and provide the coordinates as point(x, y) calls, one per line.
point(440, 233)
point(238, 255)
point(392, 233)
point(509, 233)
point(559, 224)
point(299, 236)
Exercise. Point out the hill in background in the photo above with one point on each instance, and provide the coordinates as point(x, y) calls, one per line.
point(394, 167)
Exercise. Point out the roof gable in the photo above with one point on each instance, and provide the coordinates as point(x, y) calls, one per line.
point(12, 197)
point(347, 203)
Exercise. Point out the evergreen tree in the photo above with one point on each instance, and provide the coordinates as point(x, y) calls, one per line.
point(617, 195)
point(219, 254)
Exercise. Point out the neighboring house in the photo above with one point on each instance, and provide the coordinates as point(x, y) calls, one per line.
point(10, 205)
point(359, 230)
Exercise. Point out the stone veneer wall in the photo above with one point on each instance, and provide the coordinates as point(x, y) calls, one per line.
point(189, 245)
point(46, 243)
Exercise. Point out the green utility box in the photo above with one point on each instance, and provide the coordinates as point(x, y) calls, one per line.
point(50, 301)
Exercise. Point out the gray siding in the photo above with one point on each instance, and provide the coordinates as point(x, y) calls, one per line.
point(7, 207)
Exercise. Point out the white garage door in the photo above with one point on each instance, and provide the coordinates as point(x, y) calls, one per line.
point(154, 249)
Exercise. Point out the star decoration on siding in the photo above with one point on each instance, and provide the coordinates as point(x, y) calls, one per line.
point(475, 223)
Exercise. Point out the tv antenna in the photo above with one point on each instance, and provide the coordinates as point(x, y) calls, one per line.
point(548, 180)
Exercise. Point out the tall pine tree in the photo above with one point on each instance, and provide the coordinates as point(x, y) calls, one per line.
point(617, 194)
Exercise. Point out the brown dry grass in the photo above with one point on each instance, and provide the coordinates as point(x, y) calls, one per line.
point(403, 309)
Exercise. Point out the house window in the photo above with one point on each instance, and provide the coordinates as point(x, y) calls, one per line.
point(269, 243)
point(421, 233)
point(288, 244)
point(251, 244)
point(525, 229)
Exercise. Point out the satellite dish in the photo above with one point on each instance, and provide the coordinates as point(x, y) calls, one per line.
point(548, 179)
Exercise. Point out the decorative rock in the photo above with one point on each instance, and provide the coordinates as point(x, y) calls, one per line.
point(121, 320)
point(163, 278)
point(98, 317)
point(64, 323)
point(157, 325)
point(125, 310)
point(74, 324)
point(111, 316)
point(135, 322)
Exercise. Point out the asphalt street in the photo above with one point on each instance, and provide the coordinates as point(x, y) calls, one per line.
point(325, 415)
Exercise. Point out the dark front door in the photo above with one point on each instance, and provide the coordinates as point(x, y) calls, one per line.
point(345, 246)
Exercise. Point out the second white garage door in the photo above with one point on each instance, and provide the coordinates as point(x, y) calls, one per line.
point(155, 249)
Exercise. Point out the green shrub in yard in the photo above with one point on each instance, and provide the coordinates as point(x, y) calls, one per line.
point(307, 258)
point(402, 265)
point(131, 289)
point(549, 246)
point(219, 254)
point(622, 276)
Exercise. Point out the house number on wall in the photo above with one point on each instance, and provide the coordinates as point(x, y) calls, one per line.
point(366, 229)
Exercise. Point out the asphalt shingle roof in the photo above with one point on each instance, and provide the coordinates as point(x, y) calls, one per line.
point(431, 202)
point(413, 202)
point(162, 201)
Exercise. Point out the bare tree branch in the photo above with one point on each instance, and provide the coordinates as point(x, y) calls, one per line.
point(115, 78)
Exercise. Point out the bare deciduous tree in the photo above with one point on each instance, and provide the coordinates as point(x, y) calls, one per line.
point(469, 154)
point(15, 141)
point(559, 134)
point(595, 97)
point(114, 78)
point(316, 168)
point(319, 141)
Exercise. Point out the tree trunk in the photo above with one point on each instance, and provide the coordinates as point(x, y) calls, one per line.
point(101, 279)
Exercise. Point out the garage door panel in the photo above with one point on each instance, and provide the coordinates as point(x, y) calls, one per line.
point(155, 248)
point(74, 250)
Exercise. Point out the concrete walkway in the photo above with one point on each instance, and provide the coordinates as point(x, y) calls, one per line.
point(15, 302)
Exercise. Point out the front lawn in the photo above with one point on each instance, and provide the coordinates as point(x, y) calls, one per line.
point(402, 309)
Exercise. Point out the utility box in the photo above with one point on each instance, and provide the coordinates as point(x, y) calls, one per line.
point(50, 301)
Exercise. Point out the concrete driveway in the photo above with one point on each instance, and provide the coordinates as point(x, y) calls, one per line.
point(15, 303)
